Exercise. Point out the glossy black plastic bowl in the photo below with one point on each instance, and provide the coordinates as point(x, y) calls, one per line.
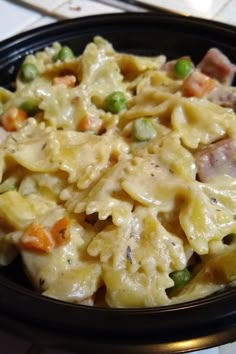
point(174, 329)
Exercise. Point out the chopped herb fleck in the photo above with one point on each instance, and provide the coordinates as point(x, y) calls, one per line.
point(128, 254)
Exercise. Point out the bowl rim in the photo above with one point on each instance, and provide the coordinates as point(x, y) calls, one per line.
point(10, 46)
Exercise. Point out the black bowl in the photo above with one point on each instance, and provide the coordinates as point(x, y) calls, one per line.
point(173, 329)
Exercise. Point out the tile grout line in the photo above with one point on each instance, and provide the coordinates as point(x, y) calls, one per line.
point(41, 10)
point(29, 27)
point(58, 15)
point(222, 8)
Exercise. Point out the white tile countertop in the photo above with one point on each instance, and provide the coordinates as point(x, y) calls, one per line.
point(17, 16)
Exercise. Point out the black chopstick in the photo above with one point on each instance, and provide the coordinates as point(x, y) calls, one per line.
point(134, 6)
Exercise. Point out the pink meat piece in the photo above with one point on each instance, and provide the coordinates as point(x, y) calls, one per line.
point(169, 65)
point(217, 159)
point(218, 66)
point(224, 96)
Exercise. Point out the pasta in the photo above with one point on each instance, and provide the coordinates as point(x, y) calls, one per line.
point(118, 176)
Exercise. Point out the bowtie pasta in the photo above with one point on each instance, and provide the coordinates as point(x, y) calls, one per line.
point(118, 175)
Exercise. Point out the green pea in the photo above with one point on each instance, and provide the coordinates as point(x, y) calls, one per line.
point(1, 108)
point(65, 53)
point(30, 106)
point(115, 102)
point(29, 71)
point(182, 68)
point(143, 129)
point(181, 277)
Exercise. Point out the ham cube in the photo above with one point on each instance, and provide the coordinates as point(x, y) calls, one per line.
point(218, 66)
point(224, 96)
point(216, 160)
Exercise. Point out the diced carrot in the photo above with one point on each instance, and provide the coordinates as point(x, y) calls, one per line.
point(13, 118)
point(197, 85)
point(67, 80)
point(89, 123)
point(60, 231)
point(37, 238)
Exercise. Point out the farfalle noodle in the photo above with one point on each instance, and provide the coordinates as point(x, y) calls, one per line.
point(114, 216)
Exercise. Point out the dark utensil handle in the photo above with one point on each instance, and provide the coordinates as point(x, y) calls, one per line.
point(134, 5)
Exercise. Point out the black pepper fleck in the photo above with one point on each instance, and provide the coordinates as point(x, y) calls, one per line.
point(128, 254)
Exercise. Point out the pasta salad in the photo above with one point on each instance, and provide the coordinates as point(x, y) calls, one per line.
point(118, 175)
